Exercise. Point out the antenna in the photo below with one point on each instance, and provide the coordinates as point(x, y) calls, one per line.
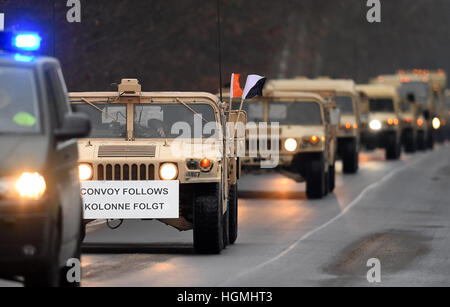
point(219, 43)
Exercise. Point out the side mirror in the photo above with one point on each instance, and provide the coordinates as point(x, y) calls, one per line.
point(75, 125)
point(335, 116)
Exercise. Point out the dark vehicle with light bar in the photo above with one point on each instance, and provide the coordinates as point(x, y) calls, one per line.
point(40, 204)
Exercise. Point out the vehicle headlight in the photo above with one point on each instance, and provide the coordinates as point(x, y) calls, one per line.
point(375, 124)
point(290, 144)
point(31, 185)
point(436, 123)
point(85, 171)
point(168, 171)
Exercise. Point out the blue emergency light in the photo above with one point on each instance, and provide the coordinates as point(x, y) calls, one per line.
point(22, 42)
point(27, 41)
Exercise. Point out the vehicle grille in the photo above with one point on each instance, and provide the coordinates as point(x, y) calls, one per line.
point(119, 172)
point(111, 151)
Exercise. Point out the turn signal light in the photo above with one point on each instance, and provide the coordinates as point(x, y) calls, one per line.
point(408, 120)
point(420, 122)
point(348, 126)
point(314, 139)
point(355, 126)
point(390, 121)
point(396, 122)
point(205, 163)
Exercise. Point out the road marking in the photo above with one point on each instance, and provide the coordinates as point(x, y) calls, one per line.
point(370, 187)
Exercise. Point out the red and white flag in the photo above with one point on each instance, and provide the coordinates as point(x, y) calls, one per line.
point(235, 88)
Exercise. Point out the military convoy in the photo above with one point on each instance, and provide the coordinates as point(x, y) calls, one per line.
point(146, 137)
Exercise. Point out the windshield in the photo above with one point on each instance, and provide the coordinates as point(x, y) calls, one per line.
point(295, 113)
point(344, 104)
point(107, 120)
point(174, 120)
point(418, 90)
point(381, 105)
point(19, 106)
point(254, 110)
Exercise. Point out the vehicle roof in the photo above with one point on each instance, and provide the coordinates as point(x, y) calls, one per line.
point(377, 90)
point(339, 85)
point(24, 60)
point(148, 95)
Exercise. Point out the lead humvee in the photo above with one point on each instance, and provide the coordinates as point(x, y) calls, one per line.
point(347, 101)
point(307, 136)
point(384, 126)
point(136, 141)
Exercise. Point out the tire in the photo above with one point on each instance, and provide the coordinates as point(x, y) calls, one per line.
point(332, 173)
point(315, 179)
point(421, 142)
point(208, 220)
point(326, 189)
point(233, 213)
point(350, 157)
point(430, 138)
point(392, 147)
point(409, 141)
point(47, 274)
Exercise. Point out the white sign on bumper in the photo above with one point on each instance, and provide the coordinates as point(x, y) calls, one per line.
point(130, 199)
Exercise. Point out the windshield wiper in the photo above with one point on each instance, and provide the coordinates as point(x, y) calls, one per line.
point(189, 108)
point(103, 111)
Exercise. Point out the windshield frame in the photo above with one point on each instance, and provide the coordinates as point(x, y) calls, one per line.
point(131, 102)
point(40, 112)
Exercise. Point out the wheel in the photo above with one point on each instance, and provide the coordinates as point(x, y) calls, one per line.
point(208, 220)
point(315, 179)
point(350, 157)
point(409, 141)
point(332, 172)
point(430, 139)
point(421, 142)
point(326, 187)
point(392, 147)
point(233, 213)
point(47, 274)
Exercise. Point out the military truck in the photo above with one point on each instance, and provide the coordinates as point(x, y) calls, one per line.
point(347, 101)
point(162, 141)
point(428, 87)
point(414, 124)
point(384, 130)
point(307, 136)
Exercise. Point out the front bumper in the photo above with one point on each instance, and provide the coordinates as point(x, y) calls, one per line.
point(376, 139)
point(25, 232)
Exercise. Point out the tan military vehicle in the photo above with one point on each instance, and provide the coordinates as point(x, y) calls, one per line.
point(414, 124)
point(347, 101)
point(428, 87)
point(161, 155)
point(384, 130)
point(307, 136)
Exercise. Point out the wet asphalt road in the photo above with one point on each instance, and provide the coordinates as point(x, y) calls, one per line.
point(398, 212)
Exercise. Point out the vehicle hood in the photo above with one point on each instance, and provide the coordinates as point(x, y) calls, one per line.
point(22, 153)
point(91, 150)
